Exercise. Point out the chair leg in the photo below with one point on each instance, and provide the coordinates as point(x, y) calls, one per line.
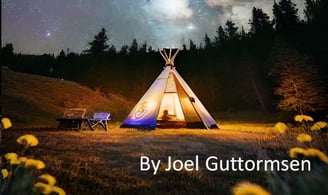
point(79, 126)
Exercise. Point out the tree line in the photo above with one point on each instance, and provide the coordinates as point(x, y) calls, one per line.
point(279, 63)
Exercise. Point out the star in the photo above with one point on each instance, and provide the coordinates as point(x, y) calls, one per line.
point(48, 34)
point(190, 27)
point(26, 24)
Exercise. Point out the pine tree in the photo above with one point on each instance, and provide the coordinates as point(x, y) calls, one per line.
point(99, 44)
point(112, 49)
point(220, 37)
point(7, 54)
point(207, 41)
point(243, 34)
point(260, 23)
point(231, 30)
point(143, 48)
point(192, 46)
point(285, 15)
point(311, 7)
point(124, 50)
point(62, 54)
point(134, 47)
point(316, 12)
point(150, 49)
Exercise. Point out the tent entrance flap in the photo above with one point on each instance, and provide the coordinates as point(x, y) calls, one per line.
point(188, 108)
point(170, 114)
point(170, 109)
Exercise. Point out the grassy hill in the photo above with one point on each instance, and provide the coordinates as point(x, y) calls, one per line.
point(35, 101)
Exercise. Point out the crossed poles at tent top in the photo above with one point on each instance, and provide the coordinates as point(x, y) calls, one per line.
point(169, 59)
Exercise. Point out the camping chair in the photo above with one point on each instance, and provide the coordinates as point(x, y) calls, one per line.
point(99, 118)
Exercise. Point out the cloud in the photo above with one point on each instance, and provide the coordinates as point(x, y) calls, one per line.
point(223, 3)
point(239, 11)
point(168, 10)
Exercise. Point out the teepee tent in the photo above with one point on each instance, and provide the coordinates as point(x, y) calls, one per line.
point(169, 103)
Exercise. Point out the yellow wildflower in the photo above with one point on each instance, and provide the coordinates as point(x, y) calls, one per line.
point(294, 151)
point(49, 178)
point(44, 188)
point(280, 127)
point(12, 157)
point(4, 173)
point(313, 152)
point(48, 189)
point(6, 123)
point(22, 159)
point(300, 118)
point(304, 138)
point(28, 139)
point(58, 190)
point(247, 188)
point(15, 162)
point(38, 164)
point(319, 125)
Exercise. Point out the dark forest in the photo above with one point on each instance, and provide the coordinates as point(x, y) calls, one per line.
point(279, 64)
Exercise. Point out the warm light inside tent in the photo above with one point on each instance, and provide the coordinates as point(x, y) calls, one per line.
point(170, 102)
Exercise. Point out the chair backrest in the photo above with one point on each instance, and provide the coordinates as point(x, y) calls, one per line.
point(75, 113)
point(101, 115)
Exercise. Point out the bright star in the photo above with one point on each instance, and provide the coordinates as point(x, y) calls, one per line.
point(48, 34)
point(190, 26)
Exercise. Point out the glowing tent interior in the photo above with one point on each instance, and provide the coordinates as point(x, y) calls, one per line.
point(169, 103)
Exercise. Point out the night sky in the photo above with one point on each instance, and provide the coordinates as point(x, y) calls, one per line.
point(48, 26)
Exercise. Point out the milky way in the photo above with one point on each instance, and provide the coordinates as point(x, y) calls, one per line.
point(48, 26)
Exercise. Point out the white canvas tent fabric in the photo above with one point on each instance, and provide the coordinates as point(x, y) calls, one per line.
point(169, 102)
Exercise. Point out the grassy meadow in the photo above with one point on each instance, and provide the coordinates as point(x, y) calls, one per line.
point(109, 162)
point(100, 162)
